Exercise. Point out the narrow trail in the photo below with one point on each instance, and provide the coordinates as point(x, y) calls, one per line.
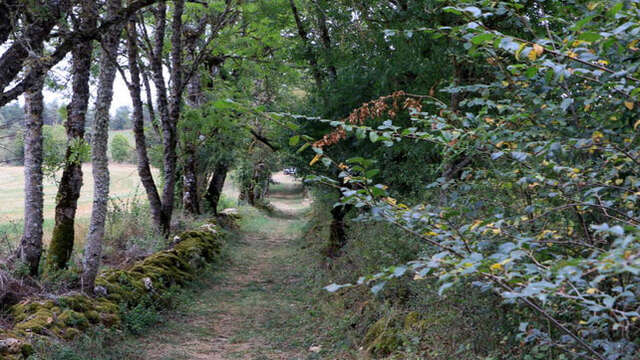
point(242, 306)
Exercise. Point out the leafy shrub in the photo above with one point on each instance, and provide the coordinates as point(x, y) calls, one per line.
point(129, 228)
point(54, 147)
point(120, 148)
point(139, 318)
point(537, 197)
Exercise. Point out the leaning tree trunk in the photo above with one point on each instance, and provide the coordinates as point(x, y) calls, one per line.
point(144, 169)
point(214, 190)
point(170, 124)
point(63, 235)
point(30, 248)
point(93, 245)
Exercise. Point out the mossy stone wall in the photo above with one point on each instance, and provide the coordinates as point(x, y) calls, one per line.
point(67, 316)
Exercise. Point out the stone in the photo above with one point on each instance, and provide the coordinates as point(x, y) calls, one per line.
point(148, 284)
point(10, 346)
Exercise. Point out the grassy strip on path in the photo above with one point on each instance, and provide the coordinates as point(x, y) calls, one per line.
point(258, 308)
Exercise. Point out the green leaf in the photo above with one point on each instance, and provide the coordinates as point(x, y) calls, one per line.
point(373, 136)
point(481, 38)
point(294, 140)
point(615, 9)
point(303, 148)
point(589, 36)
point(371, 173)
point(453, 10)
point(580, 24)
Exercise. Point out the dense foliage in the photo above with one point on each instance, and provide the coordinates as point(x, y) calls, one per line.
point(536, 198)
point(500, 137)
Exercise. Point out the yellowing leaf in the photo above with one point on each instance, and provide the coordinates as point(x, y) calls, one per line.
point(315, 159)
point(496, 267)
point(538, 49)
point(592, 291)
point(532, 55)
point(475, 224)
point(629, 105)
point(522, 46)
point(390, 201)
point(430, 233)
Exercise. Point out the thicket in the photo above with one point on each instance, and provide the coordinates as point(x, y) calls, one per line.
point(533, 189)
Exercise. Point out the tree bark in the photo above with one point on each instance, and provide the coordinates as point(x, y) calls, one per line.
point(95, 237)
point(190, 181)
point(144, 169)
point(309, 54)
point(195, 99)
point(214, 190)
point(7, 15)
point(325, 38)
point(30, 249)
point(67, 43)
point(170, 125)
point(337, 231)
point(63, 236)
point(37, 31)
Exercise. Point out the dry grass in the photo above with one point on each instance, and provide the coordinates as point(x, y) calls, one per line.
point(125, 184)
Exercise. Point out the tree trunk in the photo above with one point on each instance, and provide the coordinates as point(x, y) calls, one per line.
point(93, 245)
point(190, 181)
point(214, 190)
point(195, 99)
point(6, 19)
point(30, 248)
point(37, 31)
point(170, 125)
point(309, 54)
point(337, 231)
point(71, 182)
point(144, 169)
point(325, 38)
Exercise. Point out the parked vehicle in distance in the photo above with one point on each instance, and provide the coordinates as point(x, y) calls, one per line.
point(290, 171)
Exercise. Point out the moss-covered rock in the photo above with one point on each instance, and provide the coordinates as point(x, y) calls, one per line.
point(67, 316)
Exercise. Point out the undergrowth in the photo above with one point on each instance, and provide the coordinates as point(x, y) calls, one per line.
point(405, 320)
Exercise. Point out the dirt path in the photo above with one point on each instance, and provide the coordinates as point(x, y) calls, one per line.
point(240, 309)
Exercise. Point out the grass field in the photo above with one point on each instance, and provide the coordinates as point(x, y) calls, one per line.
point(124, 185)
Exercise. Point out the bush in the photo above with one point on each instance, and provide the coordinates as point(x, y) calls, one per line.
point(120, 148)
point(129, 229)
point(54, 147)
